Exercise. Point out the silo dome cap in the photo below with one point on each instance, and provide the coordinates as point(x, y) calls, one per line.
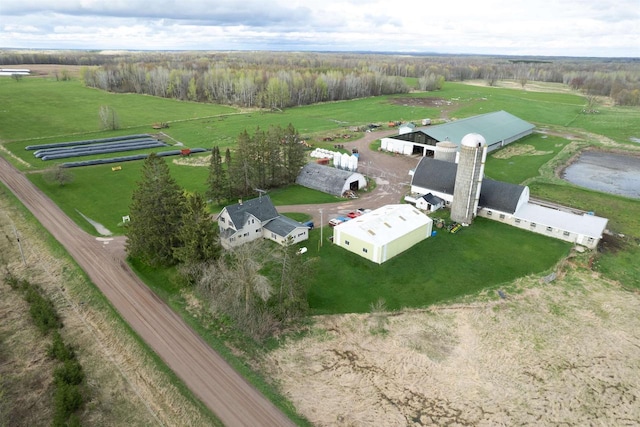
point(474, 140)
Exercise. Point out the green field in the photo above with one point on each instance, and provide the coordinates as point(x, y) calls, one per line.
point(51, 111)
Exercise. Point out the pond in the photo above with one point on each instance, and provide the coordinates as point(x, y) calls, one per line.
point(608, 172)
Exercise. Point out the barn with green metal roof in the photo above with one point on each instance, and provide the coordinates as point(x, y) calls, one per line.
point(499, 128)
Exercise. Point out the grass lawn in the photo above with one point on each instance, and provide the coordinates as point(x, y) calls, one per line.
point(104, 195)
point(444, 267)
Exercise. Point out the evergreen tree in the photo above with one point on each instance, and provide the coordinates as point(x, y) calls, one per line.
point(294, 156)
point(156, 214)
point(275, 159)
point(241, 173)
point(218, 180)
point(258, 158)
point(198, 235)
point(227, 161)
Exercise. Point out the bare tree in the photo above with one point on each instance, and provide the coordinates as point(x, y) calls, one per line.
point(109, 118)
point(592, 103)
point(59, 175)
point(523, 80)
point(235, 287)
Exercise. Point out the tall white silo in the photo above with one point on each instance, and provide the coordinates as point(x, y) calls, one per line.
point(445, 151)
point(466, 193)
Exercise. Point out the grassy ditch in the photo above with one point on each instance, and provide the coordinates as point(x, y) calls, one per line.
point(68, 390)
point(126, 383)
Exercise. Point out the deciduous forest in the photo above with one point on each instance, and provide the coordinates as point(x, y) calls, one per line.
point(262, 79)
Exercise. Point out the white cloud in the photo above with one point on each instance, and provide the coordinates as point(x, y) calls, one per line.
point(535, 27)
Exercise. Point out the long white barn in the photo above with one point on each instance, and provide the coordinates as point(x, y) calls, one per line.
point(510, 204)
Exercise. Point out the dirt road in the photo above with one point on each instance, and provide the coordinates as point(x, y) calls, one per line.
point(209, 376)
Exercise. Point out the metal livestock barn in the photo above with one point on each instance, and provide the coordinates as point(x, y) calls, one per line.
point(499, 128)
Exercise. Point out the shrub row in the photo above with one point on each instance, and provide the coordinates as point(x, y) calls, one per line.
point(68, 376)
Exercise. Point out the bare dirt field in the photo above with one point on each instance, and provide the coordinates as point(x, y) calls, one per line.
point(421, 102)
point(564, 353)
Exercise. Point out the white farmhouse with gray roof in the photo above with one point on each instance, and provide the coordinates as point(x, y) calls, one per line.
point(257, 218)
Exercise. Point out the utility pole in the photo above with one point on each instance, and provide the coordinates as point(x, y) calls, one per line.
point(321, 227)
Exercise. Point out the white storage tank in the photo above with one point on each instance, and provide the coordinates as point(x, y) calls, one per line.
point(445, 151)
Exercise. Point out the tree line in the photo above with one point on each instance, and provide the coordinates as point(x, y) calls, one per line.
point(298, 78)
point(250, 87)
point(259, 288)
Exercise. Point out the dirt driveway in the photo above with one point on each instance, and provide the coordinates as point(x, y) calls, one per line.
point(206, 374)
point(391, 173)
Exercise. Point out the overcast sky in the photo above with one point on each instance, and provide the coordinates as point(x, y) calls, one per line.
point(510, 27)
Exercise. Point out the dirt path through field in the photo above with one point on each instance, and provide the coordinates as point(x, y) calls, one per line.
point(209, 376)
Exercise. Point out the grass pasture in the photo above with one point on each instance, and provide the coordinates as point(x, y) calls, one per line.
point(36, 108)
point(523, 159)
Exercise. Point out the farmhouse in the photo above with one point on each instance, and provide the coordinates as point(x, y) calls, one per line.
point(330, 180)
point(257, 218)
point(383, 233)
point(499, 129)
point(501, 201)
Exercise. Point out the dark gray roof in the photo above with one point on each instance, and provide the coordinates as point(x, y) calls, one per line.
point(501, 196)
point(436, 175)
point(432, 200)
point(262, 208)
point(283, 225)
point(324, 178)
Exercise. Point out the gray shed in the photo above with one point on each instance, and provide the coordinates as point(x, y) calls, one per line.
point(330, 180)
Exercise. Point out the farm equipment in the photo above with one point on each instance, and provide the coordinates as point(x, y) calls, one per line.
point(454, 228)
